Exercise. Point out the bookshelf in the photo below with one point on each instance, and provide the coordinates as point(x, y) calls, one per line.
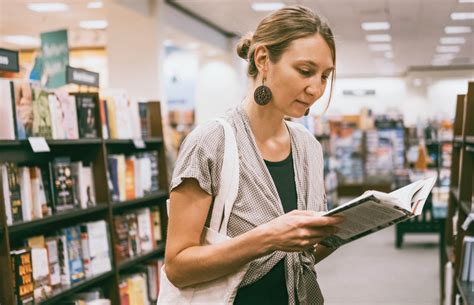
point(460, 197)
point(96, 152)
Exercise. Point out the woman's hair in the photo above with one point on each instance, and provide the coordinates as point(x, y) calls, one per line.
point(279, 29)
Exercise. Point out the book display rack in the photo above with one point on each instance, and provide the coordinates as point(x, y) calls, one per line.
point(98, 154)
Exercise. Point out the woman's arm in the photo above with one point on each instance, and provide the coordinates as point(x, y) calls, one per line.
point(188, 263)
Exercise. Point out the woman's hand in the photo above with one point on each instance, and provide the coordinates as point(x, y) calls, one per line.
point(299, 230)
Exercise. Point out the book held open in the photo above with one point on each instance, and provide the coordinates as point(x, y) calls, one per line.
point(373, 211)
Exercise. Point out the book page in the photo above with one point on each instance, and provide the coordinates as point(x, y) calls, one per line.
point(405, 193)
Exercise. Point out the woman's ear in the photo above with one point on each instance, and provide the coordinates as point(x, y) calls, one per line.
point(261, 59)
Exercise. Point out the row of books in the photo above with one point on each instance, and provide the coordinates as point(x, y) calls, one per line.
point(141, 288)
point(132, 176)
point(31, 110)
point(467, 259)
point(137, 232)
point(34, 192)
point(49, 263)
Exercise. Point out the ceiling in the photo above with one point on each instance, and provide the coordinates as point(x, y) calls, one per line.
point(416, 28)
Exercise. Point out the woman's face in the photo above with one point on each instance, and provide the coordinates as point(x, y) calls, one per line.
point(299, 78)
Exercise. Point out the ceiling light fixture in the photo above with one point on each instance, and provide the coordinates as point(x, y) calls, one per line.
point(457, 29)
point(466, 1)
point(462, 16)
point(267, 6)
point(452, 40)
point(47, 7)
point(380, 47)
point(448, 49)
point(379, 38)
point(93, 24)
point(388, 55)
point(22, 40)
point(95, 5)
point(375, 26)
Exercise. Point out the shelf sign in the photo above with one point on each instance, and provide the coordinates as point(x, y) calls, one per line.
point(38, 144)
point(82, 77)
point(139, 143)
point(9, 60)
point(55, 54)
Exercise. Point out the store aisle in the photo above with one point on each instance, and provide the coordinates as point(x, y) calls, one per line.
point(372, 272)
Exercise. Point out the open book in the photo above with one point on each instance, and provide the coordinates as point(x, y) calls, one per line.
point(373, 211)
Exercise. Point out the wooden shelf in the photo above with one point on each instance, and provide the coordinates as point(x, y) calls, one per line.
point(466, 207)
point(458, 139)
point(470, 140)
point(154, 140)
point(449, 253)
point(135, 203)
point(455, 191)
point(133, 262)
point(466, 290)
point(10, 143)
point(36, 224)
point(64, 292)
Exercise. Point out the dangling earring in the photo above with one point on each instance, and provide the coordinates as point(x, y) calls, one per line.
point(306, 112)
point(263, 94)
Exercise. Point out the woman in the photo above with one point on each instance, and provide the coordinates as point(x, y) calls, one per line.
point(274, 221)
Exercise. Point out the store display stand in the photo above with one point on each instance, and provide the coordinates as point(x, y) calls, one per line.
point(460, 197)
point(94, 151)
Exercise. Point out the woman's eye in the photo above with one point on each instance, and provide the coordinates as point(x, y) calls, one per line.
point(325, 77)
point(305, 72)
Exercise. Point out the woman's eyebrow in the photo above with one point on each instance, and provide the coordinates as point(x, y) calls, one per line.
point(312, 63)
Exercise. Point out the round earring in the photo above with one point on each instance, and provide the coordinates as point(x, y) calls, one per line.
point(306, 112)
point(263, 94)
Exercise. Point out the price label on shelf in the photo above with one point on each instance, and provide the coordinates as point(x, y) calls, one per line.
point(139, 143)
point(38, 144)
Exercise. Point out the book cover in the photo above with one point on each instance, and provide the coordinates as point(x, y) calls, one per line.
point(47, 177)
point(7, 109)
point(87, 104)
point(123, 291)
point(152, 280)
point(64, 188)
point(76, 174)
point(53, 262)
point(145, 174)
point(134, 115)
point(87, 186)
point(156, 222)
point(41, 114)
point(26, 194)
point(144, 119)
point(86, 256)
point(130, 178)
point(14, 191)
point(121, 174)
point(123, 116)
point(145, 231)
point(121, 232)
point(23, 97)
point(22, 276)
point(110, 107)
point(63, 259)
point(134, 245)
point(155, 186)
point(104, 118)
point(138, 293)
point(138, 176)
point(42, 288)
point(69, 113)
point(113, 177)
point(98, 246)
point(73, 239)
point(57, 117)
point(6, 195)
point(40, 205)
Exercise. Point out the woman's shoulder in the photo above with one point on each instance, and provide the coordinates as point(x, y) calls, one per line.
point(303, 134)
point(208, 135)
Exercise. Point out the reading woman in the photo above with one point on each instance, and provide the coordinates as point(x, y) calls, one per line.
point(274, 222)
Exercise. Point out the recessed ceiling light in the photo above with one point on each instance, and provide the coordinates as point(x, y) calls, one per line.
point(375, 26)
point(380, 47)
point(448, 49)
point(452, 40)
point(47, 7)
point(462, 15)
point(379, 38)
point(95, 5)
point(466, 1)
point(457, 29)
point(93, 24)
point(444, 56)
point(267, 6)
point(388, 54)
point(22, 40)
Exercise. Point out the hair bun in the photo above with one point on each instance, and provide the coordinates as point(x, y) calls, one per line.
point(244, 44)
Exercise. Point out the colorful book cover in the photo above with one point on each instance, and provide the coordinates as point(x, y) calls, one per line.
point(64, 188)
point(63, 259)
point(123, 291)
point(15, 192)
point(121, 231)
point(87, 104)
point(40, 205)
point(69, 113)
point(26, 194)
point(156, 221)
point(7, 109)
point(41, 114)
point(57, 117)
point(47, 178)
point(42, 288)
point(113, 178)
point(144, 119)
point(22, 268)
point(104, 118)
point(53, 262)
point(6, 194)
point(130, 178)
point(73, 239)
point(23, 96)
point(145, 231)
point(134, 245)
point(98, 244)
point(155, 186)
